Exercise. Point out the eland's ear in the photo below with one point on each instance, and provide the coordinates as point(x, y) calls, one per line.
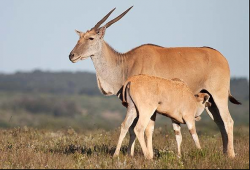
point(101, 32)
point(78, 32)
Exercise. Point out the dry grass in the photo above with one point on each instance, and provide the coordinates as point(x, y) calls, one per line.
point(29, 148)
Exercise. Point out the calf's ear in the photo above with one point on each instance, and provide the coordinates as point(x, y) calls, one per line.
point(199, 97)
point(206, 98)
point(196, 95)
point(208, 104)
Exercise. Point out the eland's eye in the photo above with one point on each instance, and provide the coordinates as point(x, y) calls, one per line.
point(91, 38)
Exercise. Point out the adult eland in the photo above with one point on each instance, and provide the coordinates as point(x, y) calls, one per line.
point(204, 69)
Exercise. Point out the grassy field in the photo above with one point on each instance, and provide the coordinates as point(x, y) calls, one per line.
point(57, 112)
point(51, 104)
point(31, 148)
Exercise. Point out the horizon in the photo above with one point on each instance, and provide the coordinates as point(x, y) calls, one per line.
point(79, 71)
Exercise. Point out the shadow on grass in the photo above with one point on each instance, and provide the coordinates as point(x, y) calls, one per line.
point(158, 154)
point(97, 149)
point(100, 149)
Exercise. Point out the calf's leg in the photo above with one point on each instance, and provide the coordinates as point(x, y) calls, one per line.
point(131, 146)
point(191, 127)
point(177, 130)
point(130, 117)
point(144, 117)
point(149, 134)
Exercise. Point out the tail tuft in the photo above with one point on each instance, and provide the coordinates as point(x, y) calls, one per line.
point(124, 100)
point(233, 100)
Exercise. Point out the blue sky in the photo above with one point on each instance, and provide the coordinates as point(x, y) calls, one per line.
point(40, 34)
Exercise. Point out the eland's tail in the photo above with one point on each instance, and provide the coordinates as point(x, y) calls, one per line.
point(233, 100)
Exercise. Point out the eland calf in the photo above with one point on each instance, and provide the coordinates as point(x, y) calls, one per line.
point(145, 95)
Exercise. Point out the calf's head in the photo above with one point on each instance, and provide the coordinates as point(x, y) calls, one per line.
point(202, 102)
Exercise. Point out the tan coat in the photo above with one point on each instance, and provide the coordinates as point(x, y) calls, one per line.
point(171, 98)
point(204, 70)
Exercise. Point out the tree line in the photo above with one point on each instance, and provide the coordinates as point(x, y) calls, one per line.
point(78, 83)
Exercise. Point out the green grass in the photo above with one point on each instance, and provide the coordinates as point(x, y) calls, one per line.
point(31, 148)
point(55, 145)
point(84, 112)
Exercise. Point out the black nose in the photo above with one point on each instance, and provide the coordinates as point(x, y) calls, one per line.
point(71, 56)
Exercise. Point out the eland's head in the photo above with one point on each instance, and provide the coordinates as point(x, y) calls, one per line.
point(90, 42)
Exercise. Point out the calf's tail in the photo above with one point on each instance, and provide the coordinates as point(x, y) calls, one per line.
point(124, 90)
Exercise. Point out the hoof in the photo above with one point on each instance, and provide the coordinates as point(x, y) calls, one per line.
point(231, 156)
point(149, 157)
point(115, 155)
point(179, 156)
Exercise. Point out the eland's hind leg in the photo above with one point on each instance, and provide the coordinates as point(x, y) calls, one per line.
point(224, 121)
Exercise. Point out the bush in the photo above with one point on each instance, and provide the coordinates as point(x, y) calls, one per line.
point(37, 105)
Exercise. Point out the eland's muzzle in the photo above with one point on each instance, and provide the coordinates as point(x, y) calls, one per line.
point(71, 56)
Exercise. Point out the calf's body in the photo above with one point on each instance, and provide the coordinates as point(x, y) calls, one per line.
point(146, 95)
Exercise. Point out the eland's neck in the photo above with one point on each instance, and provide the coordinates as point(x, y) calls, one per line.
point(110, 69)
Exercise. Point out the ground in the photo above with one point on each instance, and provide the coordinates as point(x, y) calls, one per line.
point(30, 148)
